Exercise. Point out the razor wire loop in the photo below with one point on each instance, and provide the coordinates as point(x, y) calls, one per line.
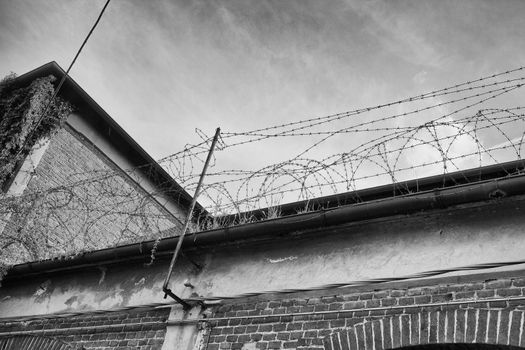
point(451, 127)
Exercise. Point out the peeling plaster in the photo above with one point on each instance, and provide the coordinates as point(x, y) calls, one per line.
point(42, 288)
point(143, 296)
point(103, 271)
point(275, 261)
point(42, 292)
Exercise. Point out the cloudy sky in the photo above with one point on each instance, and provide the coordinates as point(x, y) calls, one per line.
point(162, 68)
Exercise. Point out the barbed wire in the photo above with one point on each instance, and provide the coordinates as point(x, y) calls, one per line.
point(189, 154)
point(452, 129)
point(308, 176)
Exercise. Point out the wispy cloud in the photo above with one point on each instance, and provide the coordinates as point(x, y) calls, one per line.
point(162, 68)
point(400, 34)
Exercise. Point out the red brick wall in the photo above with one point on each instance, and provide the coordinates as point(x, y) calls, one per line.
point(142, 330)
point(320, 331)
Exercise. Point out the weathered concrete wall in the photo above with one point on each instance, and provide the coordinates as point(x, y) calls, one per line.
point(395, 247)
point(456, 237)
point(485, 309)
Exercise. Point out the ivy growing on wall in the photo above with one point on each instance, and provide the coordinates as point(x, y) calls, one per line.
point(75, 202)
point(27, 116)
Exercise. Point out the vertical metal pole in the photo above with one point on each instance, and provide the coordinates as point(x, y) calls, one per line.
point(165, 288)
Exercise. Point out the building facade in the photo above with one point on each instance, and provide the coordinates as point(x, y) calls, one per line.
point(434, 263)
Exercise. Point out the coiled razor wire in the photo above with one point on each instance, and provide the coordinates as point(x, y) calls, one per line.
point(445, 130)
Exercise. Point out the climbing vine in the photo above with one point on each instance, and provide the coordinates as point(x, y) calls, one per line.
point(28, 114)
point(68, 207)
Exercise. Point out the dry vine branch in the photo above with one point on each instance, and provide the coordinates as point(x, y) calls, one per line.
point(65, 208)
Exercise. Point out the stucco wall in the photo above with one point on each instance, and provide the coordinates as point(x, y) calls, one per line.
point(483, 309)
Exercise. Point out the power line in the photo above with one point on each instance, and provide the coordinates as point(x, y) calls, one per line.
point(395, 134)
point(64, 77)
point(448, 126)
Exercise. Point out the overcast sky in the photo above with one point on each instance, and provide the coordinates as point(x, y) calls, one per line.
point(162, 68)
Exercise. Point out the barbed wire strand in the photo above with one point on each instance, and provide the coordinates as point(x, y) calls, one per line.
point(64, 77)
point(439, 128)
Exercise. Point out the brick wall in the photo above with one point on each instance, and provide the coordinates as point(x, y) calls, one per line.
point(144, 330)
point(385, 318)
point(488, 311)
point(103, 208)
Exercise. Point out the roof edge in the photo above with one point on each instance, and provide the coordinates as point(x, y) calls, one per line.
point(432, 199)
point(138, 155)
point(397, 189)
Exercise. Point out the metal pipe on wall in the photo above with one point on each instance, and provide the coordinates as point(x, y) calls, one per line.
point(167, 291)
